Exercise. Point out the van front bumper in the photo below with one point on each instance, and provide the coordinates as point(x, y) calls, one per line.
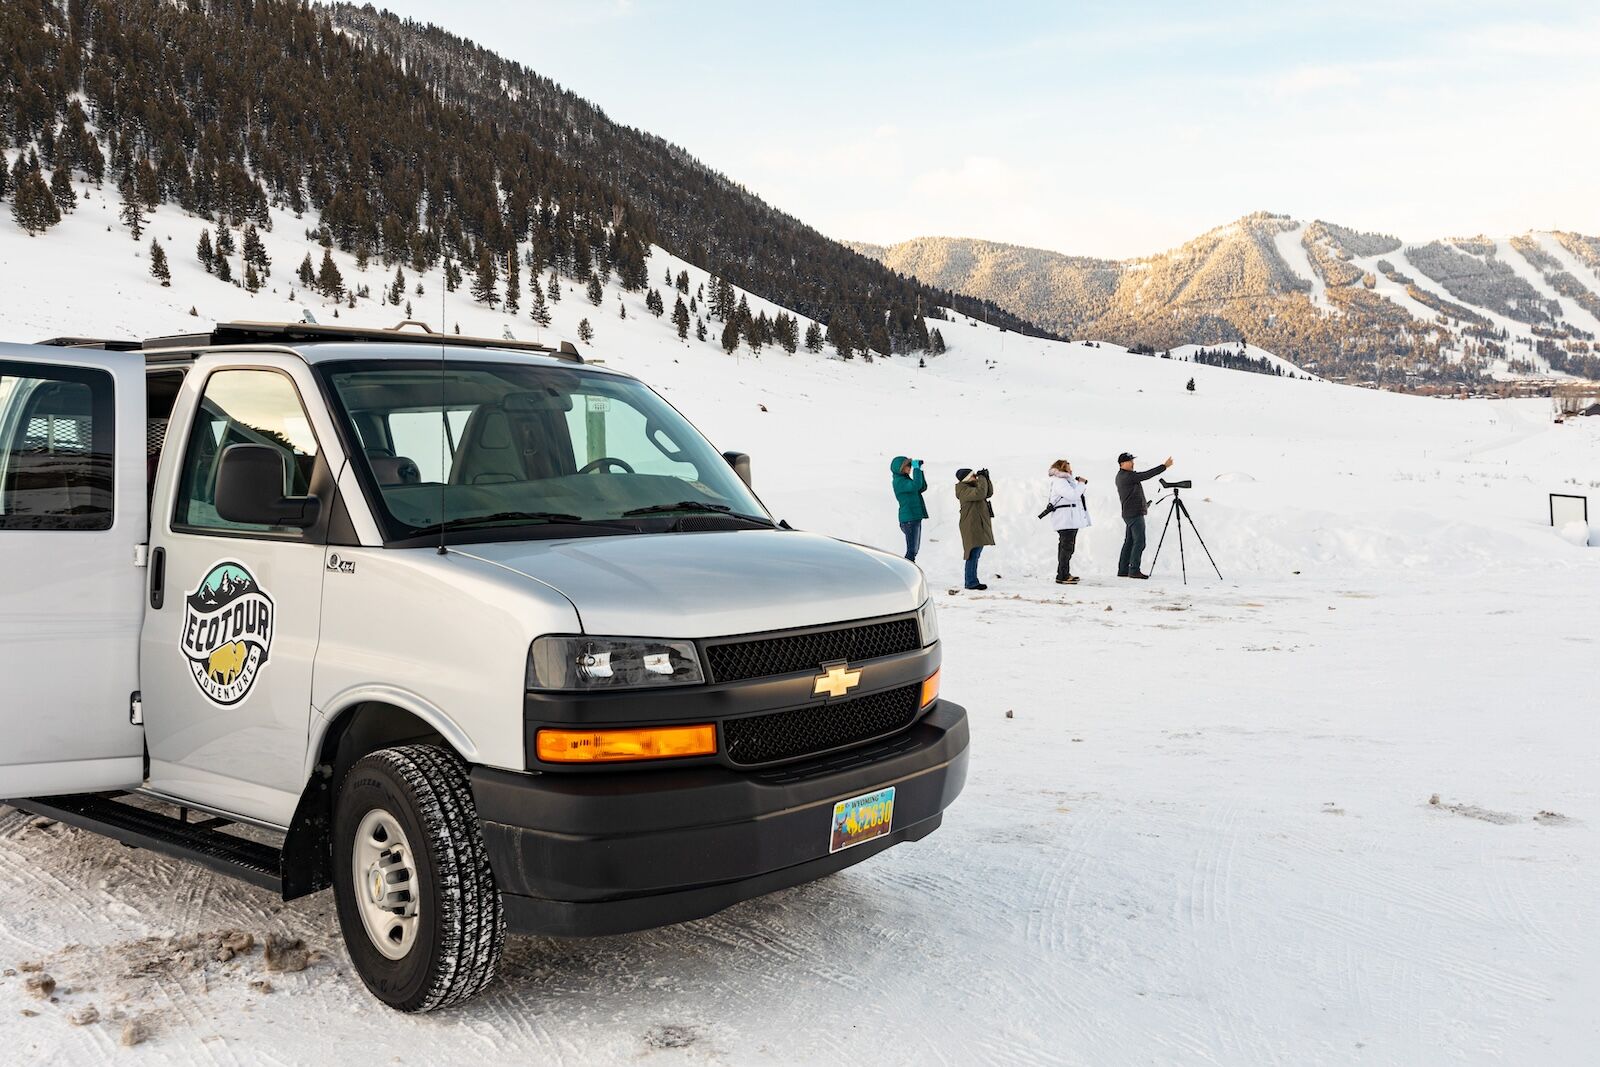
point(578, 855)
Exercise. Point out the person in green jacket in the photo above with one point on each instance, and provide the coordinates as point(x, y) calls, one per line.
point(909, 485)
point(973, 490)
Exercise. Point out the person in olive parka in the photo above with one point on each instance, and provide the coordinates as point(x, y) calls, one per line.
point(973, 490)
point(909, 485)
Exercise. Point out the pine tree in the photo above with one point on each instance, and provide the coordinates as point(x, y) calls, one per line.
point(224, 269)
point(513, 283)
point(132, 213)
point(330, 283)
point(622, 309)
point(585, 331)
point(730, 336)
point(255, 253)
point(225, 245)
point(699, 328)
point(483, 283)
point(306, 273)
point(1190, 386)
point(683, 281)
point(813, 338)
point(5, 175)
point(680, 318)
point(158, 264)
point(538, 310)
point(252, 280)
point(555, 288)
point(452, 276)
point(61, 189)
point(668, 281)
point(32, 205)
point(397, 288)
point(595, 293)
point(208, 258)
point(936, 342)
point(654, 304)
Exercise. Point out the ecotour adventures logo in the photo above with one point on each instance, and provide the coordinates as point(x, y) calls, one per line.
point(227, 632)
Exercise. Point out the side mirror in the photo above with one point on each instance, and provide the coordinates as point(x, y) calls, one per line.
point(740, 462)
point(250, 489)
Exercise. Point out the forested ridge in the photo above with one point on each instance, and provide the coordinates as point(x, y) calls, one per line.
point(412, 146)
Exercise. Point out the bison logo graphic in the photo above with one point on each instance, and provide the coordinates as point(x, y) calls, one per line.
point(227, 632)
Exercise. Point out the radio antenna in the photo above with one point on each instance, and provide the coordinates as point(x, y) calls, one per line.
point(444, 418)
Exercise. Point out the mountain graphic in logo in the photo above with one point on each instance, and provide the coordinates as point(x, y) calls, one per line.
point(224, 583)
point(228, 622)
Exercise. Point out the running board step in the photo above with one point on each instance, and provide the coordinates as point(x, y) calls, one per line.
point(200, 843)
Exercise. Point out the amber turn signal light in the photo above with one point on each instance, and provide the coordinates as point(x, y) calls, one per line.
point(930, 690)
point(613, 746)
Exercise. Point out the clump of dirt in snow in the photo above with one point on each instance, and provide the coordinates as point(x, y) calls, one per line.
point(289, 954)
point(663, 1037)
point(40, 985)
point(135, 1032)
point(1472, 811)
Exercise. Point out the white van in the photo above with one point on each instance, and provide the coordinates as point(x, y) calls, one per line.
point(482, 635)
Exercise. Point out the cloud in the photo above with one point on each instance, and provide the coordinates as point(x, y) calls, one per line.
point(1533, 40)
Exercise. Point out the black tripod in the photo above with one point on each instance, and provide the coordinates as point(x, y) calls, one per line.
point(1181, 510)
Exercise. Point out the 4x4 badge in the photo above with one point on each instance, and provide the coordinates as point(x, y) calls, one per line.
point(227, 632)
point(837, 680)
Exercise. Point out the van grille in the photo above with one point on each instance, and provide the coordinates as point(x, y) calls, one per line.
point(763, 657)
point(785, 735)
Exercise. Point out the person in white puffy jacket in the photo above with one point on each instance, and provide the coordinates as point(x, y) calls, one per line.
point(1068, 513)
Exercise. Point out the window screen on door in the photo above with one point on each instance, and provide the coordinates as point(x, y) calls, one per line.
point(243, 407)
point(57, 434)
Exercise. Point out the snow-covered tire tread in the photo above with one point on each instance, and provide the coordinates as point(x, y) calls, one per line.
point(468, 917)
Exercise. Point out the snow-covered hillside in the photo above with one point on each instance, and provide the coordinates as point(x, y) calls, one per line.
point(1339, 806)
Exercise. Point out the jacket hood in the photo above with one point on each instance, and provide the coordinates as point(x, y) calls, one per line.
point(713, 584)
point(896, 463)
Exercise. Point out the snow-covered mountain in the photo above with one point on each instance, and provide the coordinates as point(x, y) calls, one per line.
point(1350, 305)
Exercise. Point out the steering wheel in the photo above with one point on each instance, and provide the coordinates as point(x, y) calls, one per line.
point(594, 466)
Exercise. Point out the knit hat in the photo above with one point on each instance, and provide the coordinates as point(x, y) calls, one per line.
point(961, 475)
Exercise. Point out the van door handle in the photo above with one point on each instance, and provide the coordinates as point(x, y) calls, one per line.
point(158, 578)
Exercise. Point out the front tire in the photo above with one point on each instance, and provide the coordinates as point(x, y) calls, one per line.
point(417, 902)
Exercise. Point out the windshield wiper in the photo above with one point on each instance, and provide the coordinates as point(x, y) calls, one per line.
point(696, 505)
point(542, 517)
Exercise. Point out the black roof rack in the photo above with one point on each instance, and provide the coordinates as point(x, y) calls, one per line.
point(109, 344)
point(288, 333)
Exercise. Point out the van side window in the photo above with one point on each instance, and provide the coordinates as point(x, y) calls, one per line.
point(57, 447)
point(243, 407)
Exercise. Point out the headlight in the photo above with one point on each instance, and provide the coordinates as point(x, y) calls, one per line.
point(928, 622)
point(574, 662)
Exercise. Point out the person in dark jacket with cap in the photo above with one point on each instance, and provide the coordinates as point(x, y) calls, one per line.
point(909, 485)
point(1130, 489)
point(973, 490)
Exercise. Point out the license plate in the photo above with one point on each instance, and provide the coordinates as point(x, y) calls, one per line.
point(862, 818)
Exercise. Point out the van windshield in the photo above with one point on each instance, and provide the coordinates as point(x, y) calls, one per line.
point(483, 446)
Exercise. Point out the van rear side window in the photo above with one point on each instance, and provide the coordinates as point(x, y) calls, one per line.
point(57, 428)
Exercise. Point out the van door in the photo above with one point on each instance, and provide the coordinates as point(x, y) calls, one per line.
point(227, 659)
point(72, 522)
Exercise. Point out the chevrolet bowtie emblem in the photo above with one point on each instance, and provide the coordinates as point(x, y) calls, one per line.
point(836, 681)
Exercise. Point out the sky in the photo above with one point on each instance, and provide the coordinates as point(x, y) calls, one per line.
point(1106, 129)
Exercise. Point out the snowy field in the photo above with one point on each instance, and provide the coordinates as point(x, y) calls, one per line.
point(1339, 807)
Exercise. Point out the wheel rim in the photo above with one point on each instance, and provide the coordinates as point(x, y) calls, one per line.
point(384, 875)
